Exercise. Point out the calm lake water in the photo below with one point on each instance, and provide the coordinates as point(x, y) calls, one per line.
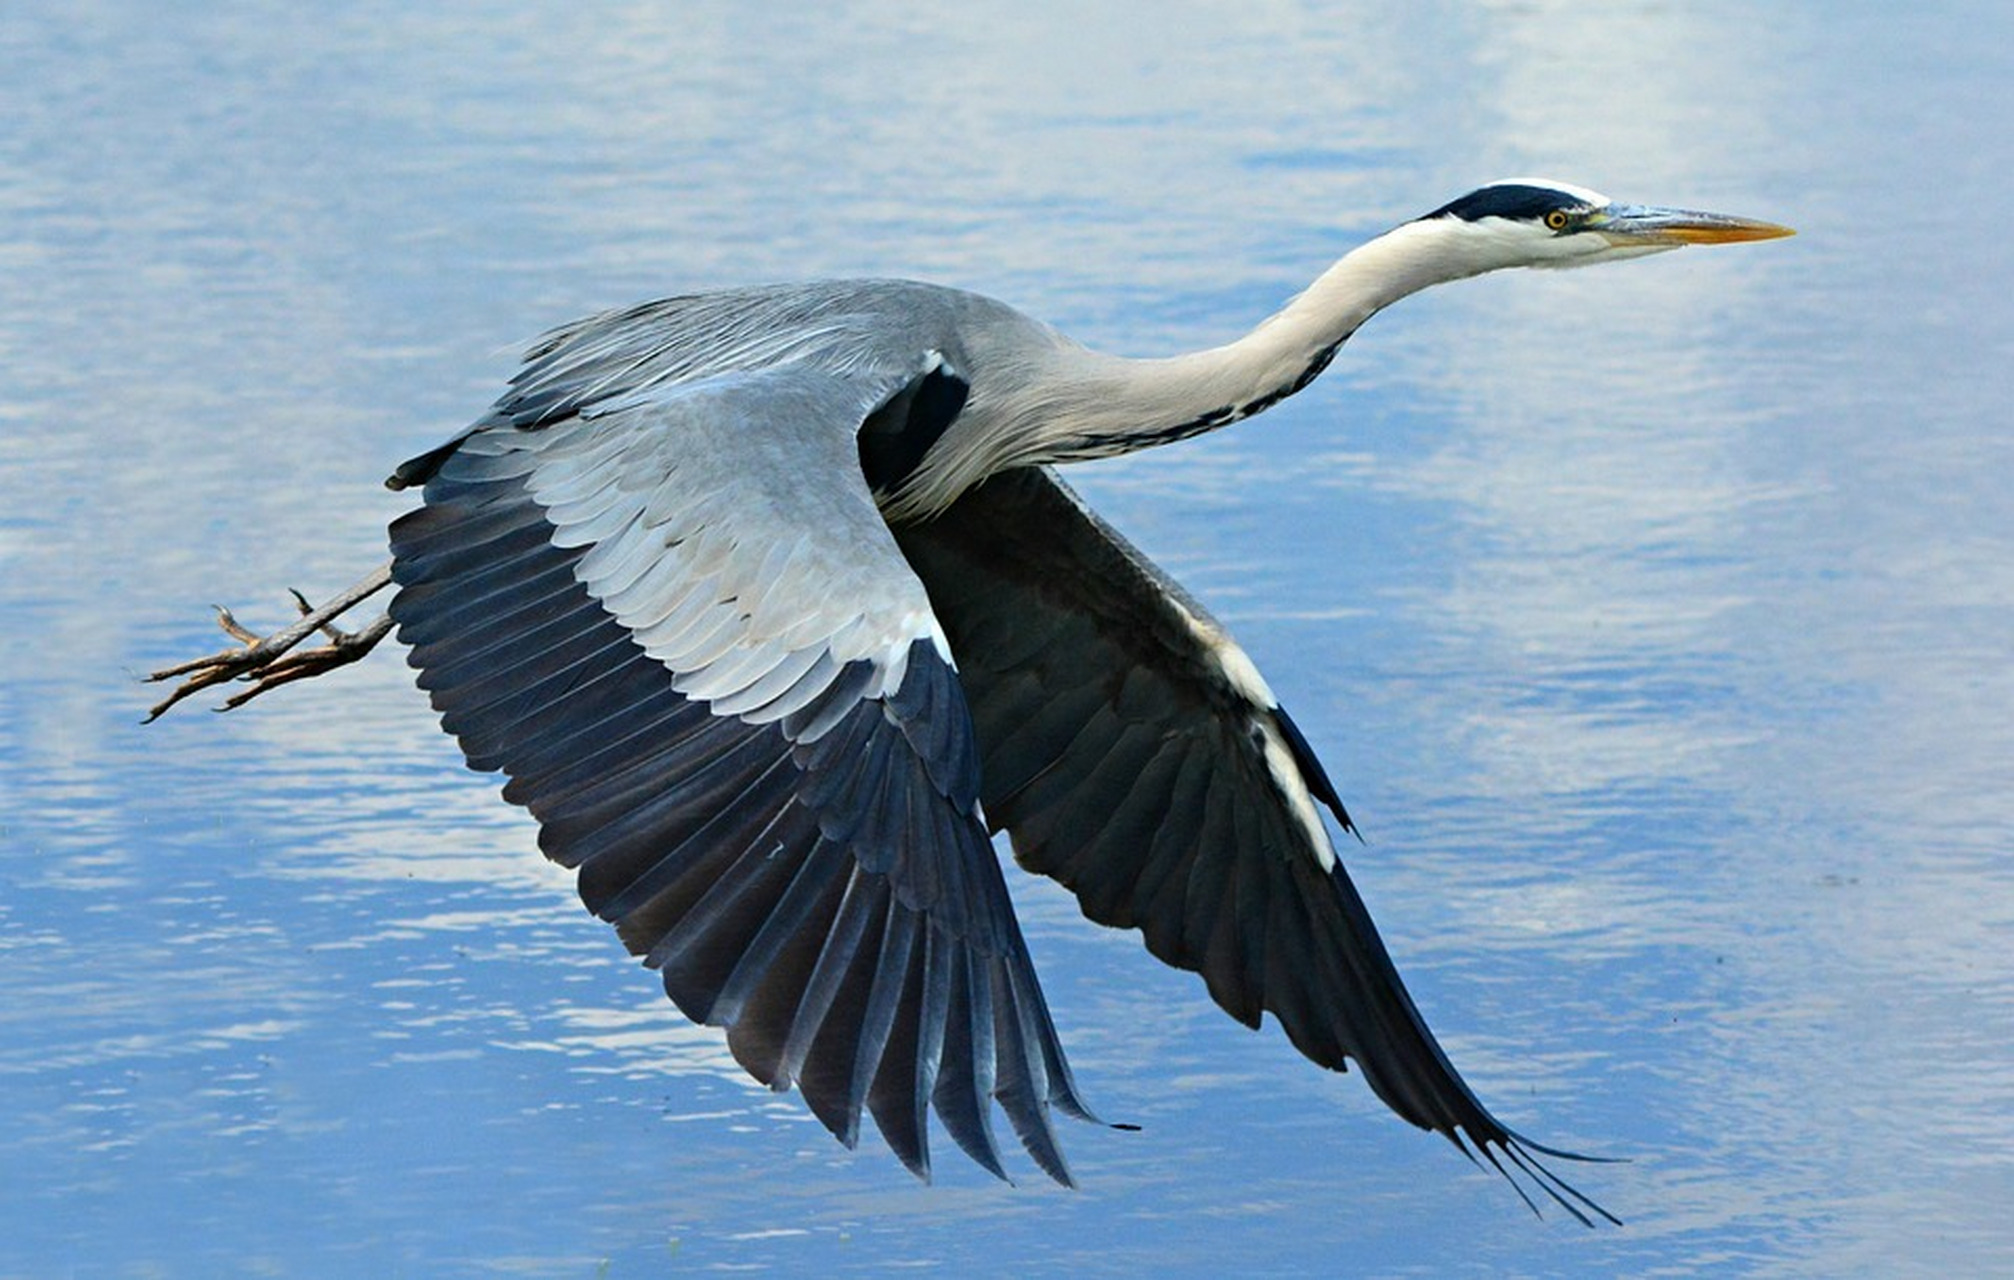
point(1655, 621)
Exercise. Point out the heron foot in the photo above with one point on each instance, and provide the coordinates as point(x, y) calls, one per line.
point(270, 661)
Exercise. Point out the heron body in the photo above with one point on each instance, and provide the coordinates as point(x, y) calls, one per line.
point(771, 609)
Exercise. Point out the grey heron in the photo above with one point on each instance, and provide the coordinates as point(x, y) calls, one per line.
point(770, 607)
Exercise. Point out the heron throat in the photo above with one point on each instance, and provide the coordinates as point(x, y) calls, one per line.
point(1072, 404)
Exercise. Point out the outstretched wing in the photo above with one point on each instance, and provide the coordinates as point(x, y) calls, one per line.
point(1134, 753)
point(679, 625)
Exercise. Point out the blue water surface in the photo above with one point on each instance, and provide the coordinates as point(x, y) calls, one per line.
point(1654, 621)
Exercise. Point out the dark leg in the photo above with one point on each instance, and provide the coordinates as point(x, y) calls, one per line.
point(266, 660)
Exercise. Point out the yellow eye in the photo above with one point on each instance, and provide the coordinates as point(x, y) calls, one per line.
point(1556, 220)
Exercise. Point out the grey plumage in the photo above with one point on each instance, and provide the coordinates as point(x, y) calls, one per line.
point(769, 607)
point(747, 739)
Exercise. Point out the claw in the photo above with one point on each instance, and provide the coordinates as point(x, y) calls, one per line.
point(232, 627)
point(267, 662)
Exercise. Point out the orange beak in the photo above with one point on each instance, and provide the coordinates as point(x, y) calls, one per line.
point(1641, 224)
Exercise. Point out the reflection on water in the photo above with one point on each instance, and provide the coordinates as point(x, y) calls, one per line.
point(1652, 619)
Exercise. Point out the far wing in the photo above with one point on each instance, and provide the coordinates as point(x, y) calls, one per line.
point(678, 623)
point(1133, 753)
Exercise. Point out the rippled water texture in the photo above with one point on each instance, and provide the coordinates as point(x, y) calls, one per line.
point(1655, 620)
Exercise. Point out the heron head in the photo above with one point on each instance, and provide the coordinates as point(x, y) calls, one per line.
point(1532, 222)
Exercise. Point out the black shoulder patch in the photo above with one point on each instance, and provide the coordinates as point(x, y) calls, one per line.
point(1505, 200)
point(894, 438)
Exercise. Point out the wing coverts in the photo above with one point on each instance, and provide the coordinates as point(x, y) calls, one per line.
point(774, 802)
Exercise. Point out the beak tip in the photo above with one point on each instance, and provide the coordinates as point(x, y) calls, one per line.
point(1673, 227)
point(1727, 231)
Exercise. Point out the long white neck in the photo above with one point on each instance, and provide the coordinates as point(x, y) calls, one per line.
point(1082, 404)
point(1148, 402)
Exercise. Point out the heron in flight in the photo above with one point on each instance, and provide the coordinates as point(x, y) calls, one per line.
point(771, 608)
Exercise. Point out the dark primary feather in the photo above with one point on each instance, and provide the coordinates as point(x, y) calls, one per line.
point(816, 881)
point(1124, 762)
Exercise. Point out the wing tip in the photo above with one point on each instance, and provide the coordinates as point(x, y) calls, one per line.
point(1505, 1150)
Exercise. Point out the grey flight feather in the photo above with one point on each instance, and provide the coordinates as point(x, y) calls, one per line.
point(740, 724)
